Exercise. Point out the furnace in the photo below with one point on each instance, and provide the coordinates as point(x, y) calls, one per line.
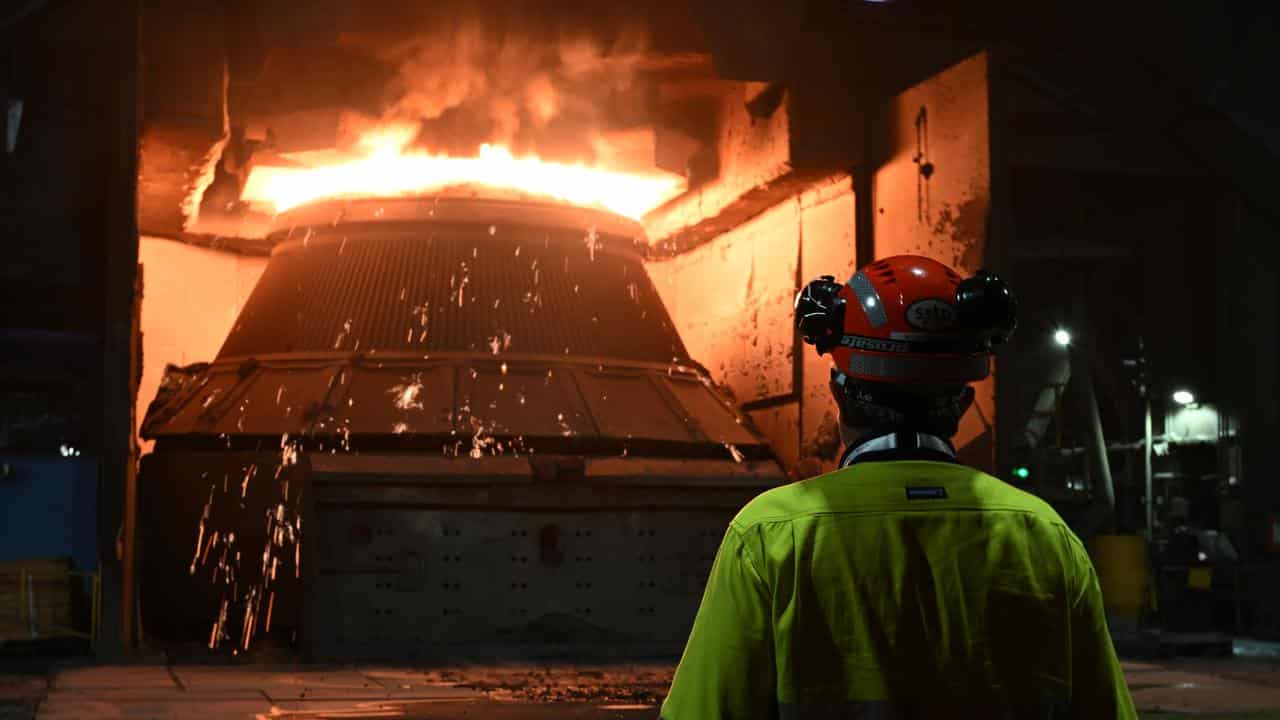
point(455, 421)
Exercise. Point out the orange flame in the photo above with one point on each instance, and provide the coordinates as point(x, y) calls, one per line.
point(383, 167)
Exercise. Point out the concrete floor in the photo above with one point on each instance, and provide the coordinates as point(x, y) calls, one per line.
point(1225, 688)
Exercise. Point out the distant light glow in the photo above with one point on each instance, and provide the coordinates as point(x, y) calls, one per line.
point(1062, 337)
point(1021, 473)
point(1184, 397)
point(871, 302)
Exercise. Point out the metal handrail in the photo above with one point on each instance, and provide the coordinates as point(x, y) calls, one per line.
point(28, 606)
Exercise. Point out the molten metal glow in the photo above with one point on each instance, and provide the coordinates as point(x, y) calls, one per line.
point(384, 167)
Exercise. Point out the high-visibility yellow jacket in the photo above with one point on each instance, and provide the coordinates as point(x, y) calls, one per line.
point(899, 589)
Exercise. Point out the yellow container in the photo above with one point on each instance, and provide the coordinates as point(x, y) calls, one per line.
point(1124, 570)
point(35, 599)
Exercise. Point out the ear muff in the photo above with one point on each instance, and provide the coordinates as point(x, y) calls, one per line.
point(986, 308)
point(820, 313)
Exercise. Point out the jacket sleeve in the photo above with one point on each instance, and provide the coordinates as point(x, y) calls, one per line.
point(727, 671)
point(1098, 687)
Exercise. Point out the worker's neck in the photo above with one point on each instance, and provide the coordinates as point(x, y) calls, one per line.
point(853, 437)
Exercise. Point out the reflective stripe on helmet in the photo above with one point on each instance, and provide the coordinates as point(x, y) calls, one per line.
point(868, 299)
point(969, 367)
point(923, 344)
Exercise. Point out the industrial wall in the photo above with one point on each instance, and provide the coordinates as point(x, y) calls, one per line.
point(67, 187)
point(731, 298)
point(190, 298)
point(732, 302)
point(932, 197)
point(1247, 361)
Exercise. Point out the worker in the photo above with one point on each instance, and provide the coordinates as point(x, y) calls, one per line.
point(903, 584)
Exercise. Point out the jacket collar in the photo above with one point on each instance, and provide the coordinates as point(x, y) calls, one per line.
point(902, 445)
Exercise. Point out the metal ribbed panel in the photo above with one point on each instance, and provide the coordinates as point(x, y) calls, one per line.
point(533, 290)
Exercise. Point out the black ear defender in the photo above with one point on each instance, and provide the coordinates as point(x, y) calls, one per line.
point(987, 308)
point(820, 313)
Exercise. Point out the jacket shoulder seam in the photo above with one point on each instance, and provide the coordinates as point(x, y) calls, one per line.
point(741, 526)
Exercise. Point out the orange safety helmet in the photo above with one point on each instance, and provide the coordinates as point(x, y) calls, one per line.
point(908, 319)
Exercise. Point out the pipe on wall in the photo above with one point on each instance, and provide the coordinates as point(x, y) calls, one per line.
point(1101, 510)
point(1103, 504)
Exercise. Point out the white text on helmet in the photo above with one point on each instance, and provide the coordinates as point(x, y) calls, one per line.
point(874, 344)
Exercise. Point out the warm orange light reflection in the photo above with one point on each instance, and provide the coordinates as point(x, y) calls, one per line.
point(382, 166)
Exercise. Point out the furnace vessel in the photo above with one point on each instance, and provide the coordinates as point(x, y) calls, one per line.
point(440, 426)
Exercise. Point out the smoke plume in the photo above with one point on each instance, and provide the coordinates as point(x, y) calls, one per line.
point(564, 84)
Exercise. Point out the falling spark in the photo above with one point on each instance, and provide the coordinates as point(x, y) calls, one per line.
point(407, 395)
point(246, 632)
point(213, 540)
point(592, 241)
point(244, 484)
point(346, 328)
point(399, 428)
point(482, 439)
point(204, 518)
point(215, 636)
point(734, 451)
point(565, 429)
point(288, 451)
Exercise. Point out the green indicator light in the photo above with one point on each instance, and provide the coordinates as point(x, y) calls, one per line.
point(1021, 473)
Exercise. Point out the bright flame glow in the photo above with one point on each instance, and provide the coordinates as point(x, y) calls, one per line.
point(382, 166)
